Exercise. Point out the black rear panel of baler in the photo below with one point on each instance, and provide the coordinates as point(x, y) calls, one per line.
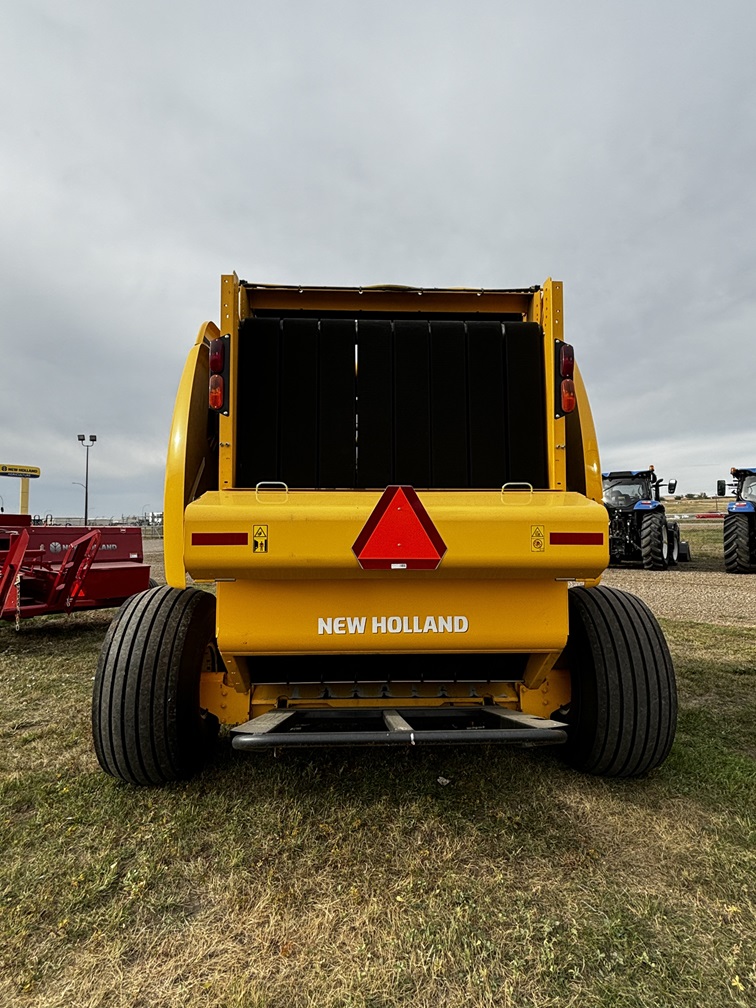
point(357, 403)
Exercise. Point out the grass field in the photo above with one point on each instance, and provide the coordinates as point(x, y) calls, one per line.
point(377, 878)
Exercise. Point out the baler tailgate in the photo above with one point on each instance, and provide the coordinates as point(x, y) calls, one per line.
point(313, 726)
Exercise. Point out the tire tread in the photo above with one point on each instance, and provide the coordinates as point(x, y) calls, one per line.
point(142, 719)
point(623, 672)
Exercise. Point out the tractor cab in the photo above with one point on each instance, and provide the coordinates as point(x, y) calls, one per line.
point(748, 487)
point(743, 485)
point(628, 487)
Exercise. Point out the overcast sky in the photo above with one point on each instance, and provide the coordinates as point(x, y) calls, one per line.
point(148, 146)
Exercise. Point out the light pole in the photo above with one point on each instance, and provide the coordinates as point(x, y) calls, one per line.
point(83, 441)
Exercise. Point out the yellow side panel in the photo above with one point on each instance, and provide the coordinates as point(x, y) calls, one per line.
point(390, 616)
point(186, 448)
point(593, 483)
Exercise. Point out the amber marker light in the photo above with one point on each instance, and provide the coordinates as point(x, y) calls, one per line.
point(568, 395)
point(218, 360)
point(216, 392)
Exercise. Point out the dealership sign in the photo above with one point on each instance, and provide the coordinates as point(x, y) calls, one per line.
point(25, 472)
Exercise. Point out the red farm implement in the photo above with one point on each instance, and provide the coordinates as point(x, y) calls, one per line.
point(62, 569)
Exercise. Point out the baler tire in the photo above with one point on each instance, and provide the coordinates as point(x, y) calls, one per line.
point(653, 541)
point(147, 724)
point(622, 715)
point(152, 583)
point(738, 552)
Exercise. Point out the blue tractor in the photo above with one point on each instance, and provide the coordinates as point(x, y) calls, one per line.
point(639, 531)
point(740, 522)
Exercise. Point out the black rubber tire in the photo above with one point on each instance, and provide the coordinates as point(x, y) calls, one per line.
point(654, 544)
point(673, 544)
point(147, 725)
point(153, 583)
point(738, 536)
point(622, 716)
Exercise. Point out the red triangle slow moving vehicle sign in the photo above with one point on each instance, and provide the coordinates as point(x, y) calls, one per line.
point(399, 534)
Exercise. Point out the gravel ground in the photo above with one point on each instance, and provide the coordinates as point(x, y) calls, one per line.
point(688, 594)
point(153, 555)
point(683, 593)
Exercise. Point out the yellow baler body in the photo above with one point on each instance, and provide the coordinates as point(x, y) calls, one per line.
point(289, 584)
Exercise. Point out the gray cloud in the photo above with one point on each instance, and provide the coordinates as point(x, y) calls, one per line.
point(150, 147)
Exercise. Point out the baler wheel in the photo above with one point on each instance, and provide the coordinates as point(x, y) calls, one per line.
point(623, 710)
point(654, 542)
point(147, 724)
point(738, 552)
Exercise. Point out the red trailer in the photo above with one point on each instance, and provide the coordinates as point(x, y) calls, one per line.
point(64, 568)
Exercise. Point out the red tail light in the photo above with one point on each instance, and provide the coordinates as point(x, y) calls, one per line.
point(217, 355)
point(566, 361)
point(219, 364)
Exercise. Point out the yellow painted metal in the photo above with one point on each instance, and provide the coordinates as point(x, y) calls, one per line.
point(500, 587)
point(236, 675)
point(187, 449)
point(23, 496)
point(391, 616)
point(229, 327)
point(593, 484)
point(488, 534)
point(233, 708)
point(552, 309)
point(551, 694)
point(390, 299)
point(340, 695)
point(217, 697)
point(553, 330)
point(538, 667)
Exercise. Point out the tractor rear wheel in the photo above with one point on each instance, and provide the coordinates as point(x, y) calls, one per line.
point(147, 724)
point(738, 544)
point(623, 712)
point(673, 544)
point(654, 542)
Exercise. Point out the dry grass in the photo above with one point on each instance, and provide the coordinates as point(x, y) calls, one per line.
point(360, 880)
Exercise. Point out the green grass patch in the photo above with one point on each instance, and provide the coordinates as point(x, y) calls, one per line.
point(706, 542)
point(473, 877)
